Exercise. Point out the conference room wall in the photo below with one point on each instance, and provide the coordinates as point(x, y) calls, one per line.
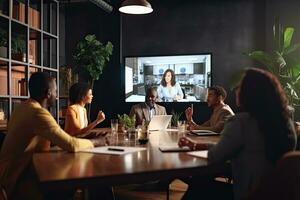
point(227, 29)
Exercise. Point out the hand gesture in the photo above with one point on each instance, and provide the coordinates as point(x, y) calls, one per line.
point(189, 113)
point(178, 98)
point(186, 142)
point(100, 116)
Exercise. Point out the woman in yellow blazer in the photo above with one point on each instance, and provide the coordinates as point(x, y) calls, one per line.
point(76, 122)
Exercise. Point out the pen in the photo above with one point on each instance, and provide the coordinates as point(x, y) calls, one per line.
point(115, 149)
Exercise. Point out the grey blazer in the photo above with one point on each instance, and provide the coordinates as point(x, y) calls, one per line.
point(141, 112)
point(243, 144)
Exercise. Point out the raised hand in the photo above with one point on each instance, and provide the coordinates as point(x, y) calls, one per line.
point(100, 116)
point(189, 113)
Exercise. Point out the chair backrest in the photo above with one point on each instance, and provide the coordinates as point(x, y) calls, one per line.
point(283, 182)
point(183, 91)
point(3, 195)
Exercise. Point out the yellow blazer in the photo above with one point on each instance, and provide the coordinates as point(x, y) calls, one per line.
point(73, 120)
point(31, 128)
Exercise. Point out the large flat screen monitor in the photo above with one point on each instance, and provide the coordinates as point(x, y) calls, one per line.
point(177, 78)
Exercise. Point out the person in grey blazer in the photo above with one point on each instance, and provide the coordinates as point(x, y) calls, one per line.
point(255, 139)
point(149, 108)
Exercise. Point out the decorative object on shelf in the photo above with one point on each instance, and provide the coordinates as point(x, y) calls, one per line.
point(2, 115)
point(18, 48)
point(282, 62)
point(3, 43)
point(91, 56)
point(4, 6)
point(67, 78)
point(136, 7)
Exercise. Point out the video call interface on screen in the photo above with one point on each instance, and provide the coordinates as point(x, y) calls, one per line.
point(180, 78)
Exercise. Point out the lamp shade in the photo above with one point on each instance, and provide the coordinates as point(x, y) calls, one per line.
point(136, 7)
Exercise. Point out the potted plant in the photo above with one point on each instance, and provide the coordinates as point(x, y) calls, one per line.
point(127, 122)
point(282, 61)
point(3, 43)
point(91, 57)
point(18, 48)
point(175, 118)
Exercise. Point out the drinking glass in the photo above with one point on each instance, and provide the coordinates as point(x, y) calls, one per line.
point(114, 131)
point(114, 126)
point(181, 125)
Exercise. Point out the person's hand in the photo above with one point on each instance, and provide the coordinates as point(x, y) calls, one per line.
point(191, 125)
point(189, 114)
point(297, 127)
point(186, 142)
point(178, 98)
point(100, 141)
point(100, 117)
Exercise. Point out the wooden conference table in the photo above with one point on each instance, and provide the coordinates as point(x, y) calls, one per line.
point(60, 169)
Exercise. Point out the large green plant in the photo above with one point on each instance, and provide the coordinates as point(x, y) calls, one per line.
point(91, 56)
point(282, 60)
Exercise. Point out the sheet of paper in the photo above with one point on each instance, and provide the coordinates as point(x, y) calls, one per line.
point(172, 129)
point(114, 150)
point(204, 132)
point(201, 154)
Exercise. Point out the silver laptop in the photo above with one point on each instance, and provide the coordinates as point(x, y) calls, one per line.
point(159, 122)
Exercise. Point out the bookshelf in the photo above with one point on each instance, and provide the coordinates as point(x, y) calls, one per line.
point(29, 42)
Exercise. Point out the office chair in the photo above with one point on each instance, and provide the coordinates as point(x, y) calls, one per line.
point(283, 182)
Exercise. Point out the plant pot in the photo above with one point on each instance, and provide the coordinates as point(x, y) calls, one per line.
point(19, 57)
point(3, 52)
point(129, 133)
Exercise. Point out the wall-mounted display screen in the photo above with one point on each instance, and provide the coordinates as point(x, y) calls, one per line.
point(180, 78)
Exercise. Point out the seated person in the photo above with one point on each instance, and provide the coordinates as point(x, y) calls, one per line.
point(76, 122)
point(145, 111)
point(169, 90)
point(31, 128)
point(255, 139)
point(221, 111)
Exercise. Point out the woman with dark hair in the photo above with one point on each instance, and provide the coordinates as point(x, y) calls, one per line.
point(169, 90)
point(255, 139)
point(76, 122)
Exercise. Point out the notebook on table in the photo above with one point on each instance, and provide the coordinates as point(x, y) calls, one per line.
point(159, 122)
point(204, 133)
point(173, 148)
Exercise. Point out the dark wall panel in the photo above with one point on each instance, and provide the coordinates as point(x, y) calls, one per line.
point(227, 29)
point(86, 18)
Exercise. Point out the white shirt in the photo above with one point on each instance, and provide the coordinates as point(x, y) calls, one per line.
point(152, 111)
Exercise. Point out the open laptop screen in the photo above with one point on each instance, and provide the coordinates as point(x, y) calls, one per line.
point(159, 122)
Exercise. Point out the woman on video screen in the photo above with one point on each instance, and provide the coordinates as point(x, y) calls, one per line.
point(169, 90)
